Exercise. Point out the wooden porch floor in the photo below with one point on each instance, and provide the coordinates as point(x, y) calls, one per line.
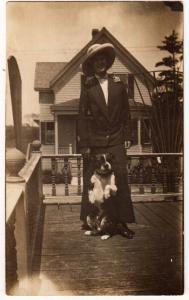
point(70, 263)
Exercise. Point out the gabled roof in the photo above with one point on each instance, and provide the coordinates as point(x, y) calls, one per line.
point(45, 72)
point(105, 36)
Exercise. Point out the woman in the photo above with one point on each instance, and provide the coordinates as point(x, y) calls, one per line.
point(104, 127)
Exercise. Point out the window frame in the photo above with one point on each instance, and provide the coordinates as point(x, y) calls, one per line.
point(44, 133)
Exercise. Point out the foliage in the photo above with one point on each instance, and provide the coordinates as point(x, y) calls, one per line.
point(29, 134)
point(167, 116)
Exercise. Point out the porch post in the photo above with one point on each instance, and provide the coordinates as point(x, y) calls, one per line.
point(56, 132)
point(139, 135)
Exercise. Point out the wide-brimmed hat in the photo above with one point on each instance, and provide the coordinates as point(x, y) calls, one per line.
point(106, 48)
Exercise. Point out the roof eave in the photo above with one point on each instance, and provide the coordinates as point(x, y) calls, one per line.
point(39, 89)
point(77, 57)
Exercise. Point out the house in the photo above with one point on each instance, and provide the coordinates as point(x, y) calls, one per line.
point(58, 85)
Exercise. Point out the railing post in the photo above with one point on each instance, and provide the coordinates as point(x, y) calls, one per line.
point(66, 162)
point(53, 176)
point(36, 146)
point(23, 246)
point(79, 175)
point(11, 256)
point(15, 160)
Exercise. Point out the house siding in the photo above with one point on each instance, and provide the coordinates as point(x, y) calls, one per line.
point(118, 67)
point(45, 113)
point(71, 90)
point(46, 99)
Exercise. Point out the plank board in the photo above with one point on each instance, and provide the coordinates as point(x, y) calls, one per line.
point(75, 264)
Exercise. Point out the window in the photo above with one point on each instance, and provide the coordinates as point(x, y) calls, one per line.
point(47, 133)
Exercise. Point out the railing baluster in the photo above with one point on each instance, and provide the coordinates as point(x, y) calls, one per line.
point(140, 172)
point(141, 176)
point(66, 164)
point(165, 184)
point(53, 176)
point(79, 175)
point(178, 176)
point(153, 187)
point(129, 169)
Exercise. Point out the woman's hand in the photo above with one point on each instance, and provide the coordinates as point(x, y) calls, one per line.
point(128, 144)
point(85, 152)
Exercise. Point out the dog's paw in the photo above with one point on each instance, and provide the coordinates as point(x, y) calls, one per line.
point(105, 237)
point(107, 192)
point(113, 190)
point(88, 232)
point(107, 196)
point(91, 196)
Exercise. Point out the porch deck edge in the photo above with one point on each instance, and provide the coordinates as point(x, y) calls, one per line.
point(75, 199)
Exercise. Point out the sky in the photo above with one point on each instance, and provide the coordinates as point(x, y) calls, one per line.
point(56, 31)
point(52, 31)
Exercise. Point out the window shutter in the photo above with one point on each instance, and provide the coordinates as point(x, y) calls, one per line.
point(145, 132)
point(123, 78)
point(42, 132)
point(131, 86)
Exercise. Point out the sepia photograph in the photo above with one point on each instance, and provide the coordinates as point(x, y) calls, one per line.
point(94, 148)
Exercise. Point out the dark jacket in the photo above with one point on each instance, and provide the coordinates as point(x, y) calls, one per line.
point(101, 125)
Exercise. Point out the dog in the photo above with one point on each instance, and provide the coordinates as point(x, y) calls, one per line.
point(102, 197)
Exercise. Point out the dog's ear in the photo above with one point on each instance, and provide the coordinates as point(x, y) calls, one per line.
point(109, 156)
point(98, 156)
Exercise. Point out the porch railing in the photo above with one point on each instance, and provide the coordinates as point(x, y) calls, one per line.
point(148, 174)
point(24, 202)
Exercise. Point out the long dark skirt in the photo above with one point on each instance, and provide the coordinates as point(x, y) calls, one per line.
point(124, 207)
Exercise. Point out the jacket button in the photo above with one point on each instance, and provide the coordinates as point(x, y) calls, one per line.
point(107, 136)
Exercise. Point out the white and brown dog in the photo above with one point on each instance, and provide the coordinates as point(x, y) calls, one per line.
point(102, 197)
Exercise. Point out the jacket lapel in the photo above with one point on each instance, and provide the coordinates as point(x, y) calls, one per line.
point(111, 99)
point(99, 97)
